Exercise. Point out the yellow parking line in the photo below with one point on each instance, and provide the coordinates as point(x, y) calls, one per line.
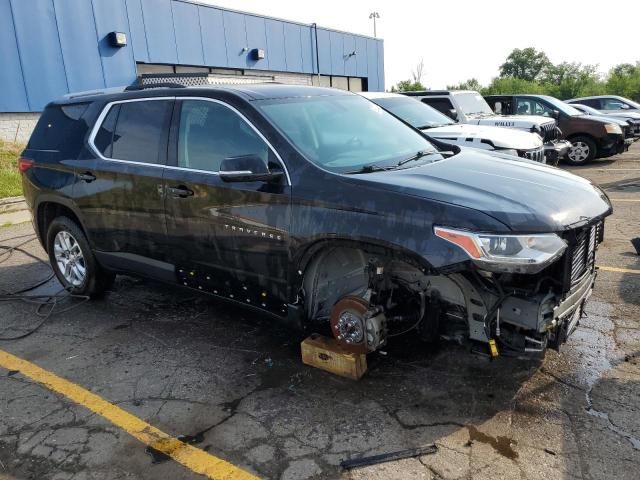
point(619, 270)
point(625, 199)
point(191, 457)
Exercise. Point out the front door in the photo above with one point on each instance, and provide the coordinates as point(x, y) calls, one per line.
point(119, 190)
point(229, 239)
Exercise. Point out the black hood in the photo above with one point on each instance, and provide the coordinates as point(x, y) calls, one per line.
point(525, 196)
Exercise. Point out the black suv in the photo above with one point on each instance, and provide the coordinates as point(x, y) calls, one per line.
point(314, 206)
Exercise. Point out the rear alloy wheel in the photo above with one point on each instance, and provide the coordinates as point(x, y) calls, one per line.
point(582, 151)
point(73, 261)
point(69, 258)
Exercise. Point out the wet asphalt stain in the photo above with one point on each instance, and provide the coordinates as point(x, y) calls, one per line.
point(158, 457)
point(625, 185)
point(501, 444)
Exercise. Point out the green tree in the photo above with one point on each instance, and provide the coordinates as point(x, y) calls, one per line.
point(569, 80)
point(407, 86)
point(415, 83)
point(624, 80)
point(471, 84)
point(624, 69)
point(526, 64)
point(511, 85)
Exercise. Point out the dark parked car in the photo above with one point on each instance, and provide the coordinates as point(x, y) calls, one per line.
point(608, 103)
point(590, 137)
point(314, 206)
point(631, 118)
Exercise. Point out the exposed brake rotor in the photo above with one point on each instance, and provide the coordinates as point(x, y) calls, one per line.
point(348, 323)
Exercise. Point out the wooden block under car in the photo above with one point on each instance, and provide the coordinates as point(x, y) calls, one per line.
point(327, 354)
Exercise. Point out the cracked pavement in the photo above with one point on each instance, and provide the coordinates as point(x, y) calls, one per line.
point(231, 382)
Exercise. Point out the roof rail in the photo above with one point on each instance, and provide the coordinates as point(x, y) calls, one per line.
point(89, 93)
point(154, 85)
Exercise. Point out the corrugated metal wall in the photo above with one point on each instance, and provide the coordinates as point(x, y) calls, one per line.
point(52, 47)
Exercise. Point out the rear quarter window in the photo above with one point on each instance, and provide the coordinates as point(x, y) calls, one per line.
point(61, 128)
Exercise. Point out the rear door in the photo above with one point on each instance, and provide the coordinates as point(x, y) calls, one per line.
point(230, 239)
point(119, 190)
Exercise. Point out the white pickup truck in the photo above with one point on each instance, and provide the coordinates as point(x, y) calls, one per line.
point(468, 107)
point(419, 115)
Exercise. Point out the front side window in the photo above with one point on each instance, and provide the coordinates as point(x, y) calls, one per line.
point(344, 132)
point(613, 104)
point(210, 132)
point(528, 106)
point(135, 131)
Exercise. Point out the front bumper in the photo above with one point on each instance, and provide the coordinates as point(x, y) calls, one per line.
point(556, 151)
point(612, 144)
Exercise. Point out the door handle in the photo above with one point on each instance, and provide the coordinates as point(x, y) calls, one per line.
point(87, 177)
point(180, 191)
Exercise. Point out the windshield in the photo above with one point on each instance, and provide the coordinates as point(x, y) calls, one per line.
point(561, 106)
point(472, 103)
point(627, 101)
point(414, 112)
point(587, 109)
point(344, 133)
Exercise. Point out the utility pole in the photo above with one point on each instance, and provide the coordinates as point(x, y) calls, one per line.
point(374, 16)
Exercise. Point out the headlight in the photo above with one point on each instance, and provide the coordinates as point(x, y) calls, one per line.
point(509, 151)
point(612, 128)
point(507, 253)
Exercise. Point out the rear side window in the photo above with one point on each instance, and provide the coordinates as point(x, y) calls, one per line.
point(135, 131)
point(61, 128)
point(591, 102)
point(443, 105)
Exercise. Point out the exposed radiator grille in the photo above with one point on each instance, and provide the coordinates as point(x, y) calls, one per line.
point(583, 253)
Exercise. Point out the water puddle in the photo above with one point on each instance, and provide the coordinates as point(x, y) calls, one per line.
point(501, 444)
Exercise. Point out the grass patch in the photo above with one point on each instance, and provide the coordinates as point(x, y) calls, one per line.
point(10, 181)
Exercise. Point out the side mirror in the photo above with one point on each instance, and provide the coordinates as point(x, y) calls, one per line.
point(555, 114)
point(453, 114)
point(246, 168)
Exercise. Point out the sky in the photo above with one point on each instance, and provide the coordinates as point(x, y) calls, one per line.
point(461, 39)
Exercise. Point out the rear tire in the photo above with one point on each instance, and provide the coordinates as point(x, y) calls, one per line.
point(582, 151)
point(73, 262)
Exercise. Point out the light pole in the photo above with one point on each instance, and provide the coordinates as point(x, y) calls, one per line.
point(374, 15)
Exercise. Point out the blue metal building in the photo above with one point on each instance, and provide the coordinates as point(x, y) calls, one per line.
point(49, 48)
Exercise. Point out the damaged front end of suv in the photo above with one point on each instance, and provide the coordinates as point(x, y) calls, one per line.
point(518, 293)
point(435, 241)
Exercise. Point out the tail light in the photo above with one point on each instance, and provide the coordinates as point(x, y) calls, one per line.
point(24, 164)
